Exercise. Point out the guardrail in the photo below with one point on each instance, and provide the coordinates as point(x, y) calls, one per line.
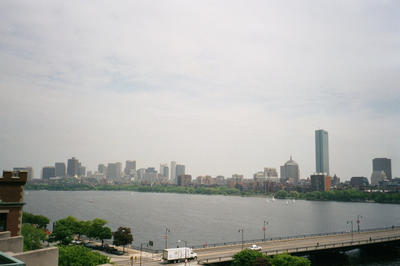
point(309, 248)
point(286, 238)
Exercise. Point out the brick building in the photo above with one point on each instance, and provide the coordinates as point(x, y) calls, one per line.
point(320, 182)
point(12, 201)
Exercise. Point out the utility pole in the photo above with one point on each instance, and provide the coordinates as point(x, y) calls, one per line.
point(358, 222)
point(265, 228)
point(166, 237)
point(241, 230)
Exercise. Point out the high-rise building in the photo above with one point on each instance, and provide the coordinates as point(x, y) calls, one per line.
point(322, 151)
point(82, 170)
point(180, 170)
point(290, 171)
point(48, 172)
point(173, 170)
point(164, 170)
point(271, 174)
point(60, 169)
point(130, 168)
point(28, 169)
point(383, 164)
point(114, 170)
point(184, 180)
point(377, 177)
point(102, 169)
point(72, 167)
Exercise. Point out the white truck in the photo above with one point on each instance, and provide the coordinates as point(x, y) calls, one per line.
point(178, 254)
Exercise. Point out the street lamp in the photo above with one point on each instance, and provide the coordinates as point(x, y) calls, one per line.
point(265, 228)
point(185, 248)
point(351, 222)
point(166, 237)
point(358, 222)
point(241, 230)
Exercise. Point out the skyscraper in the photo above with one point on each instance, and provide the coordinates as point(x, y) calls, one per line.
point(114, 170)
point(48, 172)
point(321, 151)
point(130, 168)
point(164, 170)
point(60, 169)
point(72, 167)
point(173, 170)
point(180, 170)
point(383, 164)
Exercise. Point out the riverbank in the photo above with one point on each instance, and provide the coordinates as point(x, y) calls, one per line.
point(349, 195)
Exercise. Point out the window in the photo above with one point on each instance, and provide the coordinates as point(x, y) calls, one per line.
point(3, 222)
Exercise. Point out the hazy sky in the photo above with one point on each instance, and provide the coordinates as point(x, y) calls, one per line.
point(222, 86)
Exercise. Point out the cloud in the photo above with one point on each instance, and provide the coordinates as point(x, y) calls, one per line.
point(222, 86)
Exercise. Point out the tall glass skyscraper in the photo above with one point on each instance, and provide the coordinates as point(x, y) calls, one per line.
point(321, 151)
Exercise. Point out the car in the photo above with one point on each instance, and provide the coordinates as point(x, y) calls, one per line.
point(255, 247)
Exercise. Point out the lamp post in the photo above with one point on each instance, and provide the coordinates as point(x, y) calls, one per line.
point(141, 247)
point(265, 228)
point(351, 222)
point(241, 230)
point(166, 237)
point(358, 222)
point(185, 248)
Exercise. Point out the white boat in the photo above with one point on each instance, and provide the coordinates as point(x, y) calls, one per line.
point(287, 202)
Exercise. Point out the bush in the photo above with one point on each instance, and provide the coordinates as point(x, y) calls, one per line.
point(80, 256)
point(32, 237)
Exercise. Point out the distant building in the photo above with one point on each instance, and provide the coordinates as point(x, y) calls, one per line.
point(164, 170)
point(180, 170)
point(173, 171)
point(48, 172)
point(322, 151)
point(27, 169)
point(114, 171)
point(150, 175)
point(377, 177)
point(130, 168)
point(335, 181)
point(184, 180)
point(320, 182)
point(383, 164)
point(102, 169)
point(60, 169)
point(290, 171)
point(72, 167)
point(359, 182)
point(82, 171)
point(141, 173)
point(271, 174)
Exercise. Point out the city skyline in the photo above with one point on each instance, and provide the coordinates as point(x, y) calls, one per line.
point(223, 87)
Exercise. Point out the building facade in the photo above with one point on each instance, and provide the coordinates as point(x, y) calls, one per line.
point(322, 151)
point(48, 172)
point(173, 170)
point(28, 169)
point(180, 170)
point(60, 169)
point(72, 167)
point(290, 171)
point(383, 164)
point(320, 182)
point(130, 168)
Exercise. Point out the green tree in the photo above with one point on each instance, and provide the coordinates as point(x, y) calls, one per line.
point(80, 256)
point(122, 237)
point(40, 220)
point(32, 236)
point(289, 260)
point(281, 194)
point(246, 257)
point(98, 230)
point(64, 230)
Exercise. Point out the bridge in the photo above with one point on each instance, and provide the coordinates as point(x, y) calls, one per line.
point(300, 244)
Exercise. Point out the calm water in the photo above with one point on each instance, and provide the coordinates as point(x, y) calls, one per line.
point(201, 219)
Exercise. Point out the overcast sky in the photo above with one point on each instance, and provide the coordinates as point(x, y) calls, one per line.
point(222, 86)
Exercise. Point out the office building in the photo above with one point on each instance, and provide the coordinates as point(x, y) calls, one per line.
point(184, 180)
point(173, 170)
point(320, 182)
point(290, 171)
point(48, 172)
point(359, 182)
point(130, 168)
point(383, 164)
point(322, 151)
point(180, 170)
point(27, 169)
point(72, 167)
point(114, 171)
point(150, 175)
point(82, 170)
point(164, 170)
point(271, 174)
point(102, 169)
point(60, 169)
point(377, 177)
